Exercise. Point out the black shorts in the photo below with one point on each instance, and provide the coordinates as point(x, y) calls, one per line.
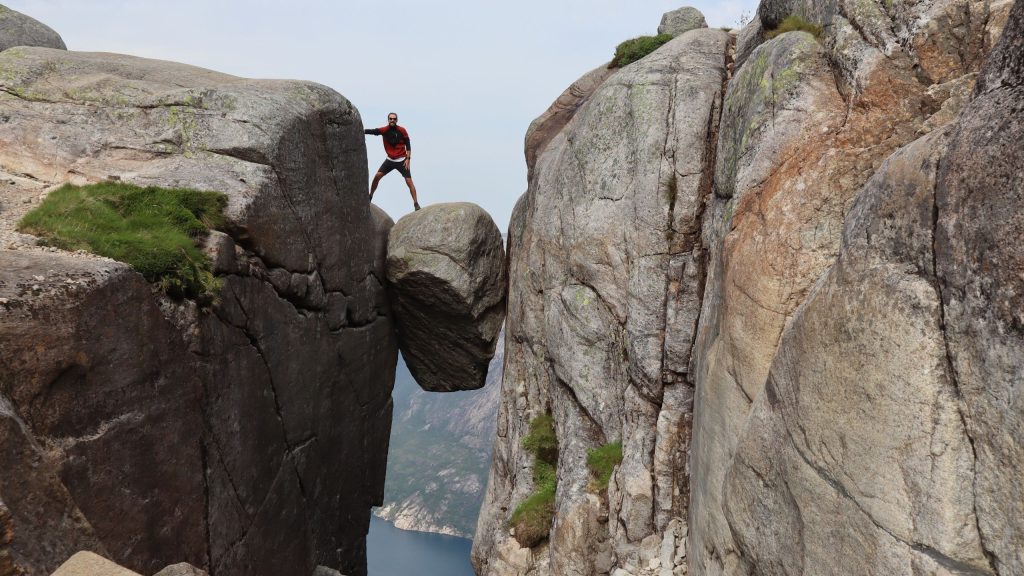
point(390, 165)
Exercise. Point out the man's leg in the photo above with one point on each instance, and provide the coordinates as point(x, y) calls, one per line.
point(373, 187)
point(412, 190)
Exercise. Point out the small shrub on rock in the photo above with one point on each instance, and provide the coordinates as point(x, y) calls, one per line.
point(151, 229)
point(632, 50)
point(531, 520)
point(602, 462)
point(793, 23)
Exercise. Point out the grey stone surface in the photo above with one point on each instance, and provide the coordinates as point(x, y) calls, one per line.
point(681, 20)
point(805, 123)
point(550, 123)
point(181, 569)
point(606, 266)
point(888, 456)
point(17, 29)
point(249, 438)
point(447, 281)
point(979, 262)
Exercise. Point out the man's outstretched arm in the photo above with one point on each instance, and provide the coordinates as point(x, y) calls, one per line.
point(374, 131)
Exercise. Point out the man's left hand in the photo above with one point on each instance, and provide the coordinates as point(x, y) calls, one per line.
point(406, 163)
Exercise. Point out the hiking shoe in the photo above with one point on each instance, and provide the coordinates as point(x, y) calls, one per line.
point(416, 205)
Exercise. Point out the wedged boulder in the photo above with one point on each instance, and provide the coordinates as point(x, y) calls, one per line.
point(246, 439)
point(447, 281)
point(681, 20)
point(17, 29)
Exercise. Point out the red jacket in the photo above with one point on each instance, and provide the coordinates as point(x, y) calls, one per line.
point(395, 145)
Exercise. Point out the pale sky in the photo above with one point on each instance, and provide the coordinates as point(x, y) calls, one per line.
point(466, 77)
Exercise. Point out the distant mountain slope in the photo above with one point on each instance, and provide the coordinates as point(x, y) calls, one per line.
point(440, 453)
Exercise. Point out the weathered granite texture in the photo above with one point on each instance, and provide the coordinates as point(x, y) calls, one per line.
point(842, 423)
point(605, 260)
point(806, 123)
point(446, 281)
point(889, 407)
point(17, 29)
point(248, 438)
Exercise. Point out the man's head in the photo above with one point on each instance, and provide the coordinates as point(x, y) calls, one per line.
point(392, 119)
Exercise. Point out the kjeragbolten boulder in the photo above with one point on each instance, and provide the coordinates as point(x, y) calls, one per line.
point(446, 275)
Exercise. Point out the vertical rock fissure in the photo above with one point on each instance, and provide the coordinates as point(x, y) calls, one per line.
point(254, 341)
point(670, 229)
point(203, 458)
point(990, 556)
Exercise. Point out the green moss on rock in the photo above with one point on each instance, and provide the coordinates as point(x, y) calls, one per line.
point(794, 23)
point(531, 520)
point(152, 229)
point(602, 462)
point(632, 50)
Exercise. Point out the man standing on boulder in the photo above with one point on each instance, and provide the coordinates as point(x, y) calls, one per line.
point(399, 151)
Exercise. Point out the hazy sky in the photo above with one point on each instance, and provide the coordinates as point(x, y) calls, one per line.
point(466, 77)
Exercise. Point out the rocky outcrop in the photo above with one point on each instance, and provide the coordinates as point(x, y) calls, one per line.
point(681, 20)
point(17, 29)
point(446, 279)
point(605, 260)
point(246, 438)
point(438, 462)
point(783, 370)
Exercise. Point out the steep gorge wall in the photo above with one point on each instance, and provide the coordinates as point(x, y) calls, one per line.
point(247, 438)
point(604, 333)
point(605, 255)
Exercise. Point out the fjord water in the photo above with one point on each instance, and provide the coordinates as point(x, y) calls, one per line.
point(394, 552)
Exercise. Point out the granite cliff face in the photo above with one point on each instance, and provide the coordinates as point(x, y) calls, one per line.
point(247, 438)
point(773, 271)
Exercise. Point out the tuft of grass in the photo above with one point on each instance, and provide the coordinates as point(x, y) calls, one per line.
point(793, 23)
point(632, 50)
point(602, 461)
point(532, 517)
point(151, 229)
point(541, 440)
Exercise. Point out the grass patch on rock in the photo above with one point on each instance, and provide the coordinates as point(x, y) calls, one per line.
point(602, 462)
point(632, 50)
point(794, 23)
point(531, 520)
point(152, 229)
